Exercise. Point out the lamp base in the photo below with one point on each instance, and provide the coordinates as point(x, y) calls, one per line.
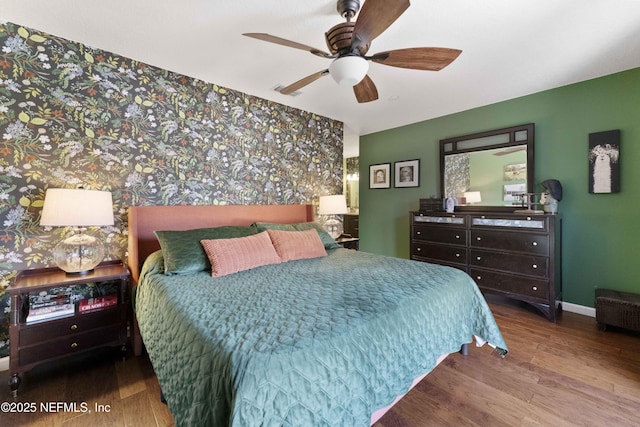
point(78, 254)
point(334, 227)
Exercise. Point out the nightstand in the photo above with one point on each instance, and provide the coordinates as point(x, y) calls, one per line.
point(37, 342)
point(348, 242)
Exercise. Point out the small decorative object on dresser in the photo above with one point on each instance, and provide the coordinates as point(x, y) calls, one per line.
point(514, 255)
point(40, 339)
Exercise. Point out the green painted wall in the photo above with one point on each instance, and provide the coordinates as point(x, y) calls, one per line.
point(601, 232)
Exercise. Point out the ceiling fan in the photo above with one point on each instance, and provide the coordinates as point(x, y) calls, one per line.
point(349, 42)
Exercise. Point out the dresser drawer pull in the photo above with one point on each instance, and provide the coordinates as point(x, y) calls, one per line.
point(478, 258)
point(74, 327)
point(418, 249)
point(535, 265)
point(479, 277)
point(535, 243)
point(458, 255)
point(457, 236)
point(418, 233)
point(74, 344)
point(478, 238)
point(535, 288)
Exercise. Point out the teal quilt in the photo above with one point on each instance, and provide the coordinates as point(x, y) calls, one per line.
point(313, 342)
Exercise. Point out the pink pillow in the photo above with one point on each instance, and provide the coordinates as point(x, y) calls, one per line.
point(292, 245)
point(241, 253)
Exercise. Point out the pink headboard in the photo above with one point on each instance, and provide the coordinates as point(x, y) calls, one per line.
point(144, 220)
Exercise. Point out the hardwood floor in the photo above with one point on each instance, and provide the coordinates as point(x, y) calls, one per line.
point(562, 374)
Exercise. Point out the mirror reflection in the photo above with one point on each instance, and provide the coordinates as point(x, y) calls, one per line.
point(488, 169)
point(487, 177)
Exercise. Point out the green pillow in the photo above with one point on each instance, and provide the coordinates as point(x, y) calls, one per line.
point(182, 251)
point(327, 240)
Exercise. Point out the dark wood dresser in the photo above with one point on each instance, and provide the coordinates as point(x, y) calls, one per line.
point(351, 224)
point(510, 254)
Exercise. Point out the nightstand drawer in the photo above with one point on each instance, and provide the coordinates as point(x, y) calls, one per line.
point(70, 344)
point(47, 330)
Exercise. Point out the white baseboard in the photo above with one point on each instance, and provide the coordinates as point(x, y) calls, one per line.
point(579, 309)
point(4, 364)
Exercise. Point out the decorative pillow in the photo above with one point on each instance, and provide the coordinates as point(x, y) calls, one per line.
point(327, 240)
point(182, 251)
point(292, 245)
point(242, 253)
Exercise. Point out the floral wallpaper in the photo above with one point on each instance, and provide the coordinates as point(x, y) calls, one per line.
point(74, 115)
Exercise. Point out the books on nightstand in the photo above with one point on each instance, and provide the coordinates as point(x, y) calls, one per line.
point(51, 309)
point(94, 304)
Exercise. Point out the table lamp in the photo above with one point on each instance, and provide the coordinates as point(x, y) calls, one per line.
point(332, 206)
point(472, 197)
point(78, 209)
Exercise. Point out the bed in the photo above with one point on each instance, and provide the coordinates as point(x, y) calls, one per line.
point(326, 340)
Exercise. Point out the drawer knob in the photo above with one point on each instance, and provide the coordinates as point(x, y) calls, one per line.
point(535, 265)
point(478, 258)
point(478, 238)
point(418, 249)
point(74, 344)
point(458, 255)
point(535, 243)
point(479, 277)
point(74, 327)
point(535, 288)
point(418, 233)
point(457, 236)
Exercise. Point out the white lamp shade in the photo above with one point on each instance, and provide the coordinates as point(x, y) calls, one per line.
point(349, 70)
point(472, 196)
point(76, 207)
point(333, 205)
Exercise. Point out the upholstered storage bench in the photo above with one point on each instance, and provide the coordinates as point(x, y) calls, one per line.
point(616, 308)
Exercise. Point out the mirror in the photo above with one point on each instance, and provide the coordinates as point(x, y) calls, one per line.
point(490, 167)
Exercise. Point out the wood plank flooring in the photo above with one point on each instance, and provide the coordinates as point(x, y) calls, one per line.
point(563, 374)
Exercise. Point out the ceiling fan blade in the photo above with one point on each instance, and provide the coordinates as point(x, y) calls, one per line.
point(284, 42)
point(365, 91)
point(418, 58)
point(303, 82)
point(375, 17)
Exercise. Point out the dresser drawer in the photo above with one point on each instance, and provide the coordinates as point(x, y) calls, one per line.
point(440, 252)
point(80, 323)
point(519, 242)
point(440, 234)
point(506, 283)
point(70, 344)
point(522, 264)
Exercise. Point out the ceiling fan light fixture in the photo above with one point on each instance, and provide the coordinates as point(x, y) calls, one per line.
point(349, 70)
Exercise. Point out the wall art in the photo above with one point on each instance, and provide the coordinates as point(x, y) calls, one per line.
point(604, 162)
point(407, 173)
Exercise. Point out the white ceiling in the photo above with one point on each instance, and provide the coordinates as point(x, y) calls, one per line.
point(510, 48)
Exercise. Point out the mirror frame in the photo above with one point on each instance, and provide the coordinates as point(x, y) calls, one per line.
point(511, 131)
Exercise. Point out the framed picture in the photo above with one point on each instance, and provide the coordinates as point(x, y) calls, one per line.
point(380, 175)
point(604, 162)
point(407, 173)
point(515, 172)
point(511, 192)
